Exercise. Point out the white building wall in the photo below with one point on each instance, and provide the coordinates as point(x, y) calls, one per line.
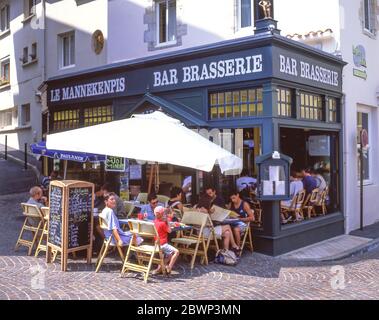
point(24, 79)
point(83, 17)
point(199, 23)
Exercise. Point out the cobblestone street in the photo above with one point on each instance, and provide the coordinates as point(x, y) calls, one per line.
point(256, 276)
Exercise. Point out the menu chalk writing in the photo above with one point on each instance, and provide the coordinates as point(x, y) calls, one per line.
point(55, 215)
point(79, 217)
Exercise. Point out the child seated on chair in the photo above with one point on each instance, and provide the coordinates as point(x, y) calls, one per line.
point(163, 229)
point(113, 224)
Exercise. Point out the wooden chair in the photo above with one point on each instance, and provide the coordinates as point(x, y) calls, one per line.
point(129, 207)
point(144, 252)
point(34, 223)
point(107, 244)
point(321, 202)
point(247, 236)
point(178, 214)
point(257, 207)
point(163, 199)
point(309, 204)
point(296, 206)
point(142, 197)
point(194, 244)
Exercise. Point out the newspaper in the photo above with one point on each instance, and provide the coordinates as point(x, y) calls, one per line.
point(220, 214)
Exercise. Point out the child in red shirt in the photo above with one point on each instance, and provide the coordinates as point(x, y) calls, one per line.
point(163, 229)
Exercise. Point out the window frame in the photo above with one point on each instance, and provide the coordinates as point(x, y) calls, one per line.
point(286, 103)
point(2, 72)
point(308, 106)
point(367, 23)
point(29, 8)
point(239, 16)
point(4, 115)
point(7, 18)
point(23, 119)
point(61, 52)
point(157, 10)
point(221, 99)
point(369, 112)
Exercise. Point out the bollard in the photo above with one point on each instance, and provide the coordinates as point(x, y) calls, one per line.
point(26, 156)
point(6, 148)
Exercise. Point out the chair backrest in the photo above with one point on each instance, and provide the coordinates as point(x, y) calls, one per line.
point(143, 228)
point(314, 196)
point(178, 213)
point(163, 199)
point(129, 207)
point(195, 218)
point(142, 197)
point(31, 210)
point(103, 224)
point(300, 198)
point(45, 212)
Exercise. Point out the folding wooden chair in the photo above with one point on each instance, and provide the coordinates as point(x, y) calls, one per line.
point(145, 252)
point(129, 208)
point(142, 197)
point(108, 243)
point(163, 199)
point(34, 222)
point(41, 246)
point(247, 235)
point(190, 244)
point(309, 204)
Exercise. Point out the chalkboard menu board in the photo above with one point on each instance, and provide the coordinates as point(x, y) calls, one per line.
point(55, 215)
point(70, 219)
point(79, 217)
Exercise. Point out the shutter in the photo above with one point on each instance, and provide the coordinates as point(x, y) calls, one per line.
point(372, 4)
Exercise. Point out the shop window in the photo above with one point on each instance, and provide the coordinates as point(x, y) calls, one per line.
point(166, 21)
point(5, 118)
point(4, 72)
point(363, 122)
point(332, 110)
point(67, 119)
point(4, 18)
point(236, 104)
point(67, 50)
point(310, 106)
point(97, 115)
point(284, 102)
point(25, 114)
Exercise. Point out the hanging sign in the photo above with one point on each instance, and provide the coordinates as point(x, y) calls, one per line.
point(115, 164)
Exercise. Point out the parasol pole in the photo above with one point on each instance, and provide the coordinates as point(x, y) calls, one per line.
point(65, 169)
point(150, 178)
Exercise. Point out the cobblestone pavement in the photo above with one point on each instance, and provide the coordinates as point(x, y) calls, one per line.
point(256, 276)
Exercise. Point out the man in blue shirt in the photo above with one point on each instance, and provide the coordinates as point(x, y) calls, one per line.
point(309, 182)
point(152, 200)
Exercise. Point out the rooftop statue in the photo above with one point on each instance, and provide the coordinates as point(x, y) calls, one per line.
point(266, 7)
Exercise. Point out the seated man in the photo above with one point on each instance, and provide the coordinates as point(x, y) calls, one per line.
point(245, 213)
point(148, 209)
point(216, 199)
point(309, 182)
point(36, 197)
point(54, 175)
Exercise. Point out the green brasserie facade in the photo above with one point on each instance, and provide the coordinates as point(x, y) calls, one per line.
point(265, 92)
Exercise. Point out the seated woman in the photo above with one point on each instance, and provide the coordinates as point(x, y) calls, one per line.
point(246, 214)
point(223, 231)
point(175, 202)
point(113, 224)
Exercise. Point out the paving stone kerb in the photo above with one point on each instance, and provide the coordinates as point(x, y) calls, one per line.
point(255, 277)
